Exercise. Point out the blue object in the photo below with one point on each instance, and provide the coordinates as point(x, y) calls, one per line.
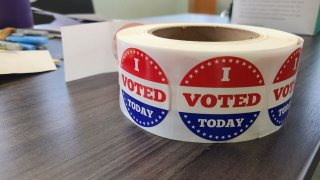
point(143, 119)
point(28, 39)
point(28, 46)
point(228, 131)
point(277, 118)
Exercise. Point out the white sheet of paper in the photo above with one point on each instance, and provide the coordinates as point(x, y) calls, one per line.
point(295, 16)
point(16, 62)
point(89, 49)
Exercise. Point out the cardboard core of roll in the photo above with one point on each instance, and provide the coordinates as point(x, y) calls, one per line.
point(205, 33)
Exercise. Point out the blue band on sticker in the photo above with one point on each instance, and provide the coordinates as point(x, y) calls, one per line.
point(218, 127)
point(143, 114)
point(279, 113)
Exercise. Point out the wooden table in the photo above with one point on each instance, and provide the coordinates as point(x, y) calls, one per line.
point(53, 130)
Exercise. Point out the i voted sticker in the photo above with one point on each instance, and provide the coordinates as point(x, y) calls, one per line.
point(282, 89)
point(144, 88)
point(220, 98)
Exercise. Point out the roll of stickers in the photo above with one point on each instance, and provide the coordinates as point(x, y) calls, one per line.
point(207, 83)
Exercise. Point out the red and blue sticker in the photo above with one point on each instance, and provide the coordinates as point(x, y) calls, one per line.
point(144, 88)
point(220, 98)
point(282, 89)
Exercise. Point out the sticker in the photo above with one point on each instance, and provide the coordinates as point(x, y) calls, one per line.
point(144, 88)
point(221, 98)
point(282, 89)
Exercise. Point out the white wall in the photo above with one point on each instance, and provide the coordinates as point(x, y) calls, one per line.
point(128, 9)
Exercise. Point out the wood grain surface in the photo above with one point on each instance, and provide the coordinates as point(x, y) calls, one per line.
point(53, 130)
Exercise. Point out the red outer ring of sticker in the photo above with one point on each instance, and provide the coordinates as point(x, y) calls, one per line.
point(151, 70)
point(209, 73)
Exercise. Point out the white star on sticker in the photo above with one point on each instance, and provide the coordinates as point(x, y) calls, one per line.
point(204, 134)
point(146, 58)
point(222, 137)
point(250, 67)
point(230, 60)
point(216, 137)
point(147, 123)
point(189, 122)
point(280, 72)
point(202, 67)
point(163, 79)
point(229, 136)
point(254, 71)
point(162, 112)
point(198, 131)
point(209, 63)
point(191, 76)
point(241, 130)
point(237, 61)
point(151, 122)
point(235, 134)
point(243, 64)
point(246, 126)
point(185, 116)
point(255, 115)
point(193, 127)
point(260, 81)
point(223, 60)
point(196, 71)
point(155, 67)
point(160, 117)
point(210, 136)
point(141, 55)
point(160, 73)
point(187, 82)
point(251, 120)
point(284, 66)
point(151, 62)
point(156, 120)
point(216, 61)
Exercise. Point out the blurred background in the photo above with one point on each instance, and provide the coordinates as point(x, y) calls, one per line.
point(131, 9)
